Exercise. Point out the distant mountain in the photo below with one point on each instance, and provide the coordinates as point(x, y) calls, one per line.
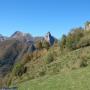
point(22, 36)
point(2, 38)
point(26, 37)
point(16, 46)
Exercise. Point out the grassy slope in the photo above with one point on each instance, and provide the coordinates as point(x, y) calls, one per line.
point(73, 80)
point(69, 77)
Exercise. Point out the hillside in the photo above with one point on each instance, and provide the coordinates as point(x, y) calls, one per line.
point(64, 66)
point(44, 45)
point(70, 80)
point(15, 50)
point(27, 60)
point(70, 77)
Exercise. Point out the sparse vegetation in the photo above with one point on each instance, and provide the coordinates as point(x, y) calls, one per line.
point(85, 41)
point(71, 40)
point(49, 57)
point(41, 73)
point(46, 45)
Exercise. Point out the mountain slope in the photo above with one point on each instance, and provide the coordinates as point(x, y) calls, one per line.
point(71, 80)
point(68, 72)
point(14, 50)
point(67, 80)
point(2, 38)
point(11, 50)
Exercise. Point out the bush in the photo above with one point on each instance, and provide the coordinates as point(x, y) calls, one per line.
point(41, 73)
point(83, 63)
point(39, 45)
point(85, 41)
point(19, 69)
point(46, 45)
point(73, 38)
point(49, 57)
point(62, 42)
point(27, 58)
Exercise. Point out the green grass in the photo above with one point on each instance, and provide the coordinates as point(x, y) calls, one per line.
point(71, 80)
point(64, 73)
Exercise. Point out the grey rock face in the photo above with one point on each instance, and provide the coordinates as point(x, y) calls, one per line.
point(87, 25)
point(49, 38)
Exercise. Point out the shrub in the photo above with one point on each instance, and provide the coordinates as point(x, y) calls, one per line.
point(83, 63)
point(73, 38)
point(41, 73)
point(62, 42)
point(49, 57)
point(27, 58)
point(55, 43)
point(19, 69)
point(45, 44)
point(39, 45)
point(85, 41)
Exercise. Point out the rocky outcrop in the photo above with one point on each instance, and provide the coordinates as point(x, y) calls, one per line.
point(49, 38)
point(87, 25)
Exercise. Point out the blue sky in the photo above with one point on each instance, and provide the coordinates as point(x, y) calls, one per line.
point(40, 16)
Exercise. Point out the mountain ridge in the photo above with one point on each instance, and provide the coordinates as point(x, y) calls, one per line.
point(13, 48)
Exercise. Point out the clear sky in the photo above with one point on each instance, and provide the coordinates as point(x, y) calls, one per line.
point(40, 16)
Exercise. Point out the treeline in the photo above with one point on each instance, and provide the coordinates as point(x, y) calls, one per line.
point(75, 39)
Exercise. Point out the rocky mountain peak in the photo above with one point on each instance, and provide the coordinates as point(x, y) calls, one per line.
point(49, 38)
point(49, 34)
point(18, 34)
point(22, 36)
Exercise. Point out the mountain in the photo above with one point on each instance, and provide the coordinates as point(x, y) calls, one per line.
point(26, 37)
point(2, 38)
point(24, 57)
point(14, 49)
point(9, 51)
point(64, 66)
point(22, 36)
point(49, 38)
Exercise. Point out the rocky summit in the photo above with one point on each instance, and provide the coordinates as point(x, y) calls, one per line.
point(22, 36)
point(49, 38)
